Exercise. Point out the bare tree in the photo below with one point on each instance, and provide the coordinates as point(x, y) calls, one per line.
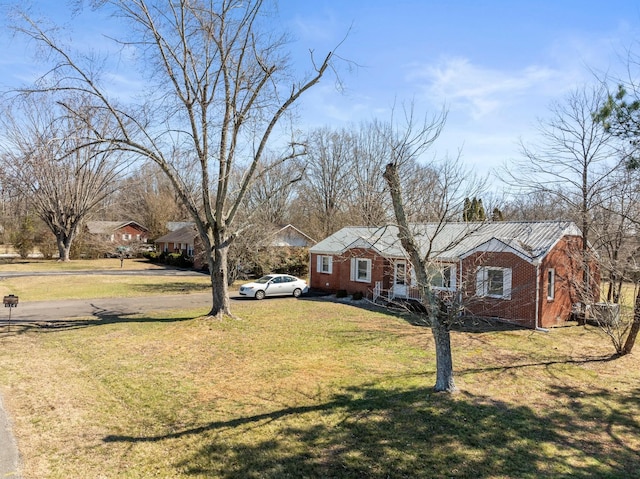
point(270, 197)
point(45, 160)
point(325, 190)
point(620, 116)
point(572, 163)
point(573, 159)
point(428, 298)
point(534, 206)
point(368, 198)
point(406, 146)
point(218, 91)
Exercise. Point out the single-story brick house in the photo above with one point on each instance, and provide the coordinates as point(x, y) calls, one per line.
point(523, 272)
point(184, 240)
point(119, 232)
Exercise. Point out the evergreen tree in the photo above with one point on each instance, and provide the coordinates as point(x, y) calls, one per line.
point(473, 210)
point(497, 215)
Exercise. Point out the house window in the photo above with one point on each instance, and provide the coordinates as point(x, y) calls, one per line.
point(325, 264)
point(551, 284)
point(361, 270)
point(401, 273)
point(442, 277)
point(494, 282)
point(126, 237)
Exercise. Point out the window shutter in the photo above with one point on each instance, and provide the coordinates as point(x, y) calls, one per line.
point(507, 283)
point(319, 263)
point(353, 272)
point(481, 282)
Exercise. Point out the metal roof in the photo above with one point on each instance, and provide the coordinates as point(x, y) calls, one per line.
point(108, 227)
point(452, 241)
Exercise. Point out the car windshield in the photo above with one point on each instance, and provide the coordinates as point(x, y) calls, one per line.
point(264, 279)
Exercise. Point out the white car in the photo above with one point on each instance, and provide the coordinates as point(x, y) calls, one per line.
point(274, 285)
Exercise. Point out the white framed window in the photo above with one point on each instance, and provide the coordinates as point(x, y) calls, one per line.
point(493, 282)
point(551, 284)
point(442, 276)
point(361, 270)
point(126, 237)
point(325, 264)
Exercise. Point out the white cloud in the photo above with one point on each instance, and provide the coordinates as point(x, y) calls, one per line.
point(481, 91)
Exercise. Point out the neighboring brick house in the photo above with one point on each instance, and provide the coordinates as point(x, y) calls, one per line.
point(184, 240)
point(523, 272)
point(118, 232)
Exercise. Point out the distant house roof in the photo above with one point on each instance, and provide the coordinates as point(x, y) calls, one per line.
point(108, 227)
point(453, 241)
point(289, 235)
point(186, 234)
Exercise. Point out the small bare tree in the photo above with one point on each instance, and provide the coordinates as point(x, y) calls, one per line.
point(45, 160)
point(219, 86)
point(440, 314)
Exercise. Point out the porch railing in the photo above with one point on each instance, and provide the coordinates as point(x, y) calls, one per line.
point(390, 294)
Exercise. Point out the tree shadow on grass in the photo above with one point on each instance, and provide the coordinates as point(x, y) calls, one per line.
point(414, 314)
point(100, 317)
point(172, 288)
point(377, 433)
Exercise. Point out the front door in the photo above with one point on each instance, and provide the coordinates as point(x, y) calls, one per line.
point(400, 278)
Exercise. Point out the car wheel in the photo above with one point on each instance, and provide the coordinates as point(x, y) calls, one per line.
point(260, 294)
point(297, 292)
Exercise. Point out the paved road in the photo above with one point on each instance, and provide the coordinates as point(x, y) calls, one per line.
point(58, 313)
point(52, 312)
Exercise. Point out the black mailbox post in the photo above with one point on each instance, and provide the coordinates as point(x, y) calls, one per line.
point(10, 302)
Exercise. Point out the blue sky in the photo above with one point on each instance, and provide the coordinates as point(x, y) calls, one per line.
point(495, 65)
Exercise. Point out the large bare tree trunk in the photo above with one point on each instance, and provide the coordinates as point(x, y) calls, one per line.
point(220, 289)
point(444, 358)
point(430, 301)
point(63, 248)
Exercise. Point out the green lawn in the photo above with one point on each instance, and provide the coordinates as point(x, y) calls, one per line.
point(41, 288)
point(315, 389)
point(27, 265)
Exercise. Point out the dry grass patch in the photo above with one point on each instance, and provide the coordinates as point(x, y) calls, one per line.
point(42, 288)
point(316, 389)
point(31, 265)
